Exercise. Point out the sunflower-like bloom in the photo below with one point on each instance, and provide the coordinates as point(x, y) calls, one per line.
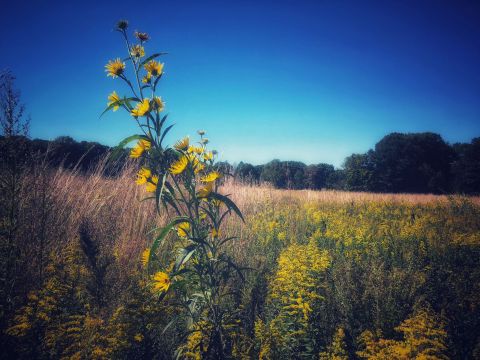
point(152, 184)
point(159, 103)
point(214, 175)
point(154, 68)
point(208, 155)
point(195, 149)
point(142, 36)
point(183, 228)
point(182, 144)
point(137, 51)
point(138, 150)
point(147, 78)
point(142, 108)
point(161, 281)
point(179, 166)
point(143, 175)
point(113, 98)
point(197, 165)
point(145, 257)
point(115, 68)
point(205, 191)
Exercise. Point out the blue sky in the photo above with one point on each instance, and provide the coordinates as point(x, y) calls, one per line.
point(296, 80)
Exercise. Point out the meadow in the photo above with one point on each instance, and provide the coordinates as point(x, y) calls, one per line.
point(330, 275)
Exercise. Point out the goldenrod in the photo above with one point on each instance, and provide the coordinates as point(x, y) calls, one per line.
point(145, 256)
point(115, 68)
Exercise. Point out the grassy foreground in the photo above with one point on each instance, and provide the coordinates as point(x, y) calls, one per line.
point(330, 275)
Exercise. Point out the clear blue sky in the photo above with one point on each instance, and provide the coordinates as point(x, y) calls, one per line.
point(296, 80)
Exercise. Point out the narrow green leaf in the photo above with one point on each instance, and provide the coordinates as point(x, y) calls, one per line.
point(229, 203)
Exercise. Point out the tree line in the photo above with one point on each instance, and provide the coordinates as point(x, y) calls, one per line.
point(399, 163)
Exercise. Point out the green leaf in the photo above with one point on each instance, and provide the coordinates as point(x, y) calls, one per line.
point(165, 133)
point(129, 139)
point(184, 256)
point(159, 192)
point(151, 57)
point(229, 203)
point(163, 233)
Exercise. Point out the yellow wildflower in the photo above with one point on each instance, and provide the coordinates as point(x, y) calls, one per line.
point(154, 68)
point(206, 190)
point(146, 79)
point(152, 184)
point(112, 99)
point(159, 103)
point(182, 144)
point(115, 68)
point(195, 149)
point(214, 175)
point(145, 257)
point(138, 337)
point(141, 146)
point(137, 51)
point(179, 166)
point(183, 228)
point(143, 175)
point(142, 108)
point(161, 281)
point(208, 156)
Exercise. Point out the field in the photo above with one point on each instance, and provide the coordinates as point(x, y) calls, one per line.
point(330, 275)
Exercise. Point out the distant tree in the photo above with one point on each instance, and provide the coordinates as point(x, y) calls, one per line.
point(13, 120)
point(466, 167)
point(412, 163)
point(319, 176)
point(247, 173)
point(284, 174)
point(359, 171)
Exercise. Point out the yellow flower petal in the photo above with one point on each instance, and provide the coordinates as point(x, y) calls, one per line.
point(214, 175)
point(179, 166)
point(145, 257)
point(142, 108)
point(161, 281)
point(182, 144)
point(152, 184)
point(115, 68)
point(183, 228)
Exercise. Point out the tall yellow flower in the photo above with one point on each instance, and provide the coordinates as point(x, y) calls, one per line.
point(152, 184)
point(195, 149)
point(112, 99)
point(142, 108)
point(145, 257)
point(161, 281)
point(183, 228)
point(146, 79)
point(115, 68)
point(159, 103)
point(143, 175)
point(137, 51)
point(182, 144)
point(214, 175)
point(142, 145)
point(179, 166)
point(154, 68)
point(205, 191)
point(208, 156)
